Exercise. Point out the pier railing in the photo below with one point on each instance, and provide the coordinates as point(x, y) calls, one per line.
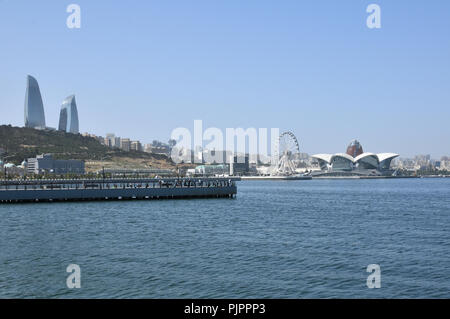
point(115, 183)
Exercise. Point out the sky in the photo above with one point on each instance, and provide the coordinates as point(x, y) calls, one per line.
point(140, 69)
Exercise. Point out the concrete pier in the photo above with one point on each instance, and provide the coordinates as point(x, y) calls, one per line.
point(276, 178)
point(19, 191)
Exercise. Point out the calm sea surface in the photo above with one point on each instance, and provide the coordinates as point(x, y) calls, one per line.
point(296, 239)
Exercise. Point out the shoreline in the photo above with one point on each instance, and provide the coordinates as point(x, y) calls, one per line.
point(288, 178)
point(275, 178)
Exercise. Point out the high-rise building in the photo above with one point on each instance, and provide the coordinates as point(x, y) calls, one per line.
point(34, 108)
point(117, 142)
point(148, 148)
point(136, 146)
point(125, 144)
point(110, 140)
point(68, 117)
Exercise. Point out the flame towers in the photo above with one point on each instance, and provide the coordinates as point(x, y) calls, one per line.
point(34, 108)
point(68, 117)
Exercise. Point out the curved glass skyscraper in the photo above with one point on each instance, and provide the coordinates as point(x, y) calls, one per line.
point(34, 108)
point(68, 117)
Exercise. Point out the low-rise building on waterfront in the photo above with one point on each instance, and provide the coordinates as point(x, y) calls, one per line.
point(209, 170)
point(46, 164)
point(239, 165)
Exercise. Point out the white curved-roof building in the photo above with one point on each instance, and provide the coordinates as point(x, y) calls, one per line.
point(385, 156)
point(367, 161)
point(363, 164)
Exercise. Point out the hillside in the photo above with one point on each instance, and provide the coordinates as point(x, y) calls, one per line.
point(19, 143)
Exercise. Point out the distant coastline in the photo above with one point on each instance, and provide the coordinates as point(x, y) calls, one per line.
point(291, 178)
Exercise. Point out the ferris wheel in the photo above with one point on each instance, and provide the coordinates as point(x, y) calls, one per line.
point(288, 152)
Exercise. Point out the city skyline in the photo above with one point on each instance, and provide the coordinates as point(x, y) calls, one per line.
point(69, 122)
point(299, 67)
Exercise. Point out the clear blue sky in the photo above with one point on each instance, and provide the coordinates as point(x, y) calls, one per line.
point(141, 68)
